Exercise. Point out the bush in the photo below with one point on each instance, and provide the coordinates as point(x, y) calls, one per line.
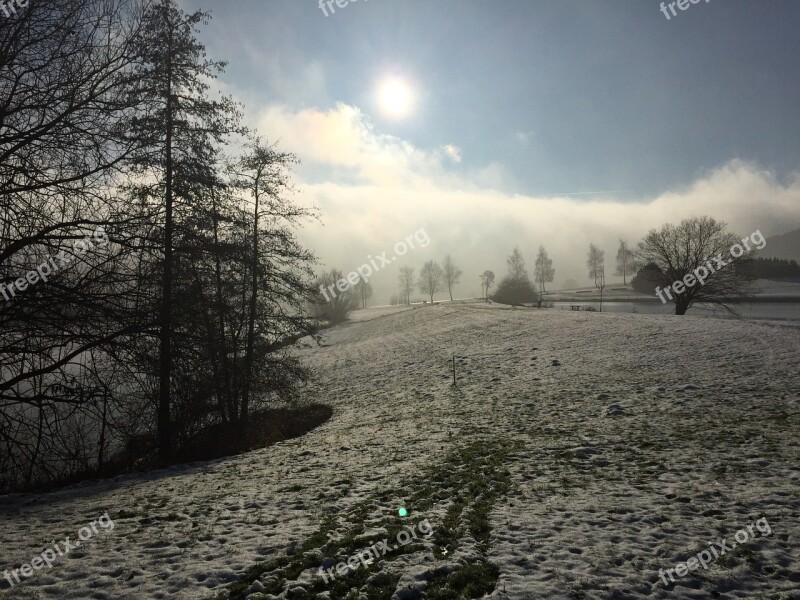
point(646, 280)
point(333, 306)
point(515, 291)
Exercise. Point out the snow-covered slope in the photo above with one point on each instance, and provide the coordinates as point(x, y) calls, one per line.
point(579, 454)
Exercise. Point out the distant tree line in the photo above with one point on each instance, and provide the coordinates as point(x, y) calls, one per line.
point(772, 268)
point(666, 255)
point(648, 277)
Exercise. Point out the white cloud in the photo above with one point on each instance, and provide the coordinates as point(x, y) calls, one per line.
point(342, 141)
point(453, 152)
point(377, 189)
point(523, 137)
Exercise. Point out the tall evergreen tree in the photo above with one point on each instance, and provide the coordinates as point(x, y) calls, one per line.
point(180, 133)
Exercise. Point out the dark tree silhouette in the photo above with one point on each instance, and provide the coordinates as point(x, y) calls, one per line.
point(595, 260)
point(181, 132)
point(451, 274)
point(487, 280)
point(544, 271)
point(697, 247)
point(431, 279)
point(626, 261)
point(516, 287)
point(406, 284)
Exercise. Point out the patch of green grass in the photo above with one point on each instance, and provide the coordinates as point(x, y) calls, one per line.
point(293, 488)
point(740, 553)
point(471, 580)
point(21, 595)
point(468, 482)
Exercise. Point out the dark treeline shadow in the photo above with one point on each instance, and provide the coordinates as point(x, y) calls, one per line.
point(149, 267)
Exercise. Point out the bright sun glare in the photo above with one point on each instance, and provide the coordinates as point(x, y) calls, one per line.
point(395, 98)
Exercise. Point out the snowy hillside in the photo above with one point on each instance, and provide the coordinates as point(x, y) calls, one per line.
point(579, 454)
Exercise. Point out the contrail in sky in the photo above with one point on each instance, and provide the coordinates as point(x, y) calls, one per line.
point(588, 193)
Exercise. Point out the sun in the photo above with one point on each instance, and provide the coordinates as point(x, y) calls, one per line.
point(395, 98)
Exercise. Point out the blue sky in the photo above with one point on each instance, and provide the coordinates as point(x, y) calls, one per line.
point(518, 101)
point(567, 95)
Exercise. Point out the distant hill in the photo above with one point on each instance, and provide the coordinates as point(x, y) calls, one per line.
point(785, 246)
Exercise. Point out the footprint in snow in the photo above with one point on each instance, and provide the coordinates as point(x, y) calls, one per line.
point(615, 410)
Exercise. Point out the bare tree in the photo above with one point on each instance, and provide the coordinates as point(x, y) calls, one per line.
point(487, 280)
point(263, 173)
point(601, 285)
point(406, 284)
point(697, 263)
point(68, 79)
point(180, 134)
point(363, 290)
point(595, 261)
point(431, 278)
point(451, 273)
point(626, 261)
point(516, 265)
point(67, 73)
point(544, 269)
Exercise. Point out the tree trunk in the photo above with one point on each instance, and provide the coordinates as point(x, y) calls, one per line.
point(102, 442)
point(248, 360)
point(224, 402)
point(164, 433)
point(40, 429)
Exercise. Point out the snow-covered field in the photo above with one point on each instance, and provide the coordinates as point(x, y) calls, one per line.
point(579, 454)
